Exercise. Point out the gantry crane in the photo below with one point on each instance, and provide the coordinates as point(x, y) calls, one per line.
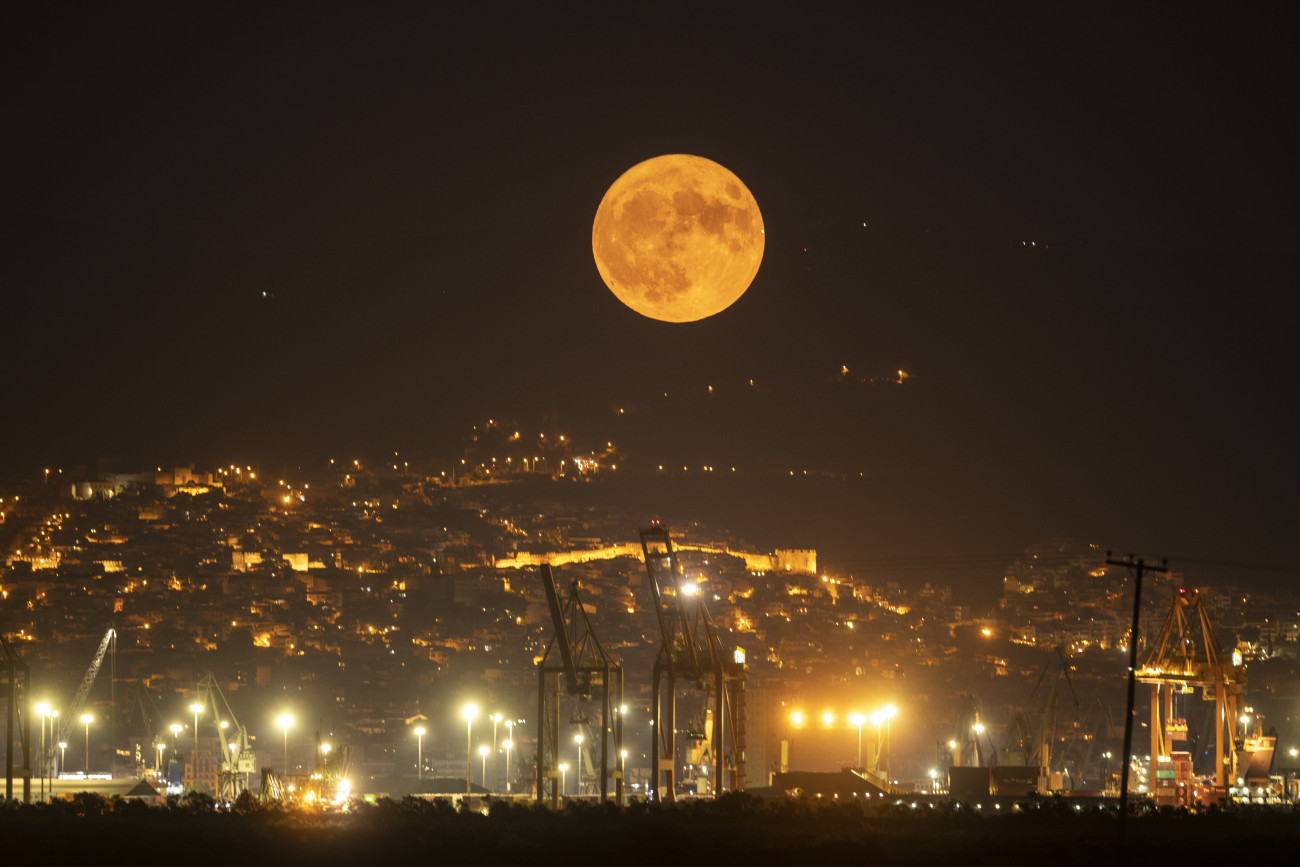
point(1185, 655)
point(237, 758)
point(586, 668)
point(690, 654)
point(16, 691)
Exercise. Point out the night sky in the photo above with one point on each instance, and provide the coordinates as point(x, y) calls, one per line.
point(280, 234)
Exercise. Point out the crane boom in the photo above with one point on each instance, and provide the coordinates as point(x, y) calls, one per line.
point(87, 681)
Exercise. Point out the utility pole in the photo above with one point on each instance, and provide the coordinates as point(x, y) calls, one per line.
point(1138, 566)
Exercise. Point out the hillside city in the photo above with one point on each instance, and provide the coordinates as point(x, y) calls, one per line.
point(368, 601)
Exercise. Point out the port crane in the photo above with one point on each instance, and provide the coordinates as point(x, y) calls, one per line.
point(690, 654)
point(17, 687)
point(585, 668)
point(237, 758)
point(1185, 655)
point(79, 699)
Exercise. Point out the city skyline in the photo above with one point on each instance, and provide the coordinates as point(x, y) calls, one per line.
point(284, 236)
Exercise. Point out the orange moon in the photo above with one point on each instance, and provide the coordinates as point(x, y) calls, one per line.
point(678, 238)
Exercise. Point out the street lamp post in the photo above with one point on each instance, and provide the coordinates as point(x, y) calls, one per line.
point(510, 737)
point(470, 711)
point(577, 739)
point(44, 710)
point(890, 712)
point(176, 733)
point(622, 772)
point(87, 719)
point(507, 744)
point(419, 752)
point(483, 751)
point(285, 721)
point(496, 718)
point(564, 768)
point(158, 767)
point(858, 720)
point(197, 709)
point(63, 756)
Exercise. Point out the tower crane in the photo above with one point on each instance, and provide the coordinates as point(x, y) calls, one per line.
point(237, 758)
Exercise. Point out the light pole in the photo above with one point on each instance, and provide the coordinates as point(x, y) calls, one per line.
point(507, 744)
point(496, 718)
point(564, 768)
point(158, 767)
point(197, 709)
point(858, 720)
point(176, 733)
point(510, 737)
point(43, 709)
point(63, 755)
point(419, 752)
point(577, 739)
point(284, 722)
point(978, 728)
point(87, 719)
point(622, 772)
point(470, 711)
point(889, 712)
point(483, 751)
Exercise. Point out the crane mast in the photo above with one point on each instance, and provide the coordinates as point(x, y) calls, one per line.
point(238, 762)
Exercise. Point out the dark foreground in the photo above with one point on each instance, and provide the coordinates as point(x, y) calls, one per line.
point(735, 830)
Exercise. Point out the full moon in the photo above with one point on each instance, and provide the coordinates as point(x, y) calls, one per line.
point(678, 238)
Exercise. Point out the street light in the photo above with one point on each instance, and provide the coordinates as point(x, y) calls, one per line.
point(419, 752)
point(622, 770)
point(510, 736)
point(496, 718)
point(158, 767)
point(87, 719)
point(564, 768)
point(507, 744)
point(577, 739)
point(197, 709)
point(285, 720)
point(470, 711)
point(858, 720)
point(888, 712)
point(483, 751)
point(176, 733)
point(44, 710)
point(63, 755)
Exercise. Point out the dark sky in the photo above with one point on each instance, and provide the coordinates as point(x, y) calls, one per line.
point(413, 187)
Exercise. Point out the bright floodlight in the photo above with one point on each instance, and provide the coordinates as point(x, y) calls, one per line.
point(889, 711)
point(284, 721)
point(470, 711)
point(43, 708)
point(857, 719)
point(196, 707)
point(419, 730)
point(828, 718)
point(797, 718)
point(87, 719)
